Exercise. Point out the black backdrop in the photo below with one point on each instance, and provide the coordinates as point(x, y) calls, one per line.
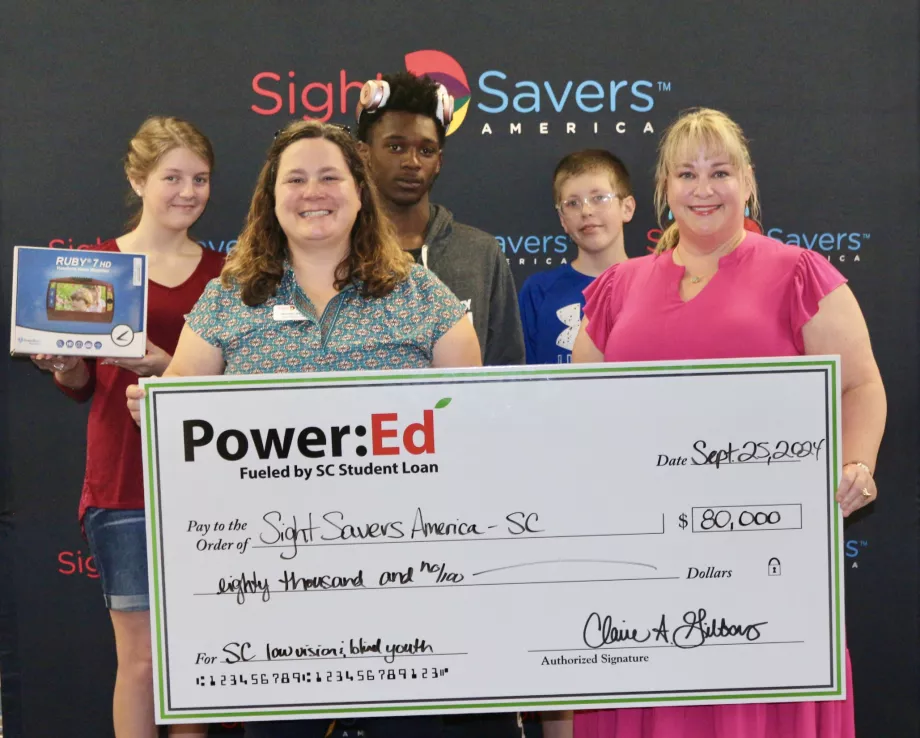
point(827, 90)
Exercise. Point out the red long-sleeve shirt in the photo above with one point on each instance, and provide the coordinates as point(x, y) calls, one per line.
point(114, 476)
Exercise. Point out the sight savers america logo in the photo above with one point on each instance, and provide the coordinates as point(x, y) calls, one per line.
point(443, 68)
point(329, 94)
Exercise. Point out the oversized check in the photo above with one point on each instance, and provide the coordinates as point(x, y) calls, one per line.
point(481, 540)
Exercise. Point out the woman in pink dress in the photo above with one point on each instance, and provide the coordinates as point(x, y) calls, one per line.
point(713, 290)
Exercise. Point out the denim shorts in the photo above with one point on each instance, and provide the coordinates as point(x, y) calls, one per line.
point(118, 542)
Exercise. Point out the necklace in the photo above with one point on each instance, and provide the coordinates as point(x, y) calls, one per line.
point(695, 279)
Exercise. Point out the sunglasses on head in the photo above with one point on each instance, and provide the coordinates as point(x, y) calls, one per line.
point(340, 126)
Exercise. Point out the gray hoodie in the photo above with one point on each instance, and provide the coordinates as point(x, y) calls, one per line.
point(471, 264)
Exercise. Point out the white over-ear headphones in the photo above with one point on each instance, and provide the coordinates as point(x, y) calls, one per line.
point(445, 110)
point(376, 93)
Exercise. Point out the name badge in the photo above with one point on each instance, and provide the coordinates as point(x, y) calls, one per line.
point(287, 312)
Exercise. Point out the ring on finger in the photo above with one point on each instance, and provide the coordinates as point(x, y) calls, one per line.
point(58, 366)
point(865, 492)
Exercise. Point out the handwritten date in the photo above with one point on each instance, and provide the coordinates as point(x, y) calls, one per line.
point(748, 452)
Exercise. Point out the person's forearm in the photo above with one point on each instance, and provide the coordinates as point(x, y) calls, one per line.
point(863, 416)
point(75, 379)
point(163, 365)
point(557, 724)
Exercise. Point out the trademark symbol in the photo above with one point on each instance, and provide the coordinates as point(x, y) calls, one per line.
point(664, 86)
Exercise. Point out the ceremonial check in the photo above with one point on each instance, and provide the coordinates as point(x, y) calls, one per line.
point(540, 538)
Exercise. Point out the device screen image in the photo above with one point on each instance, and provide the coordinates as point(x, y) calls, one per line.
point(81, 299)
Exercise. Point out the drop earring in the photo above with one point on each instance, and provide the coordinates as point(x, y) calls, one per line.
point(670, 215)
point(747, 211)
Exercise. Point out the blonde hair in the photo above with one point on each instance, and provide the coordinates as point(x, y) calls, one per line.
point(157, 136)
point(82, 294)
point(714, 132)
point(256, 264)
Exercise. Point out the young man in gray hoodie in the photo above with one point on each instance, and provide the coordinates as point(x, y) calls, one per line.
point(401, 124)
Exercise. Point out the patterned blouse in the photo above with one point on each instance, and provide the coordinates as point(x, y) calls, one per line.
point(284, 334)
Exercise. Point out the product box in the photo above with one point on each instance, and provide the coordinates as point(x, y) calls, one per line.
point(79, 303)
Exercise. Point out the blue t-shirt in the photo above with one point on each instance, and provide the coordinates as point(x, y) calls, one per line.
point(551, 307)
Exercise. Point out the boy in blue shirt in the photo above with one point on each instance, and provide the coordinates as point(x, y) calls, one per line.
point(594, 198)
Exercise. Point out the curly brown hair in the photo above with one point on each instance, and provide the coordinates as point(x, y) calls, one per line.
point(257, 262)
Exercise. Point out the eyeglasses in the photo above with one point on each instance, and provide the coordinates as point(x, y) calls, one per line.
point(599, 202)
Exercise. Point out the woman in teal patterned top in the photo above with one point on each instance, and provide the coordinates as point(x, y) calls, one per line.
point(317, 281)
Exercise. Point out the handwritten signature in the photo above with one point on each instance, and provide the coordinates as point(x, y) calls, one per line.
point(698, 627)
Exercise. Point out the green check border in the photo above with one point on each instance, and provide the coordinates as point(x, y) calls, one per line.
point(829, 364)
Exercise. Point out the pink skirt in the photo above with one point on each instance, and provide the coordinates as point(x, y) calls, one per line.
point(776, 720)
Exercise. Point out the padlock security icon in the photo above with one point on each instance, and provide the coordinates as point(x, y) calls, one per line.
point(774, 568)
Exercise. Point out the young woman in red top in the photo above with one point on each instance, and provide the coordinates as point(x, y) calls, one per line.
point(169, 166)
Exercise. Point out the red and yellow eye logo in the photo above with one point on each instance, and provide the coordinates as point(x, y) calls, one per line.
point(443, 68)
